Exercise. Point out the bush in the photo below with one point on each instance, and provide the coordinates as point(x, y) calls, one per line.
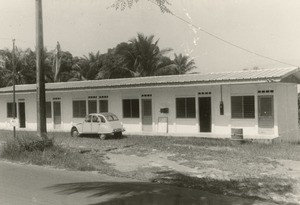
point(22, 144)
point(31, 150)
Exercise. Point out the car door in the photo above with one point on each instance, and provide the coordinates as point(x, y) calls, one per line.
point(95, 124)
point(87, 124)
point(102, 125)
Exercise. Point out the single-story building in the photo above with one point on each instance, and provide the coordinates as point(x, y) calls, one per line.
point(261, 103)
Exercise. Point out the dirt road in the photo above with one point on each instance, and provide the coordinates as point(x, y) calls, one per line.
point(28, 184)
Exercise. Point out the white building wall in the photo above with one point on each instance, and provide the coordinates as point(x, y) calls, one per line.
point(4, 121)
point(285, 111)
point(224, 123)
point(66, 110)
point(30, 111)
point(163, 99)
point(287, 106)
point(221, 123)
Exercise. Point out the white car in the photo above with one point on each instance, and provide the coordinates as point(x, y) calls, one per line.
point(102, 124)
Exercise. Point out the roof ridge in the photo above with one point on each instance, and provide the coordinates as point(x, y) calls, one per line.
point(118, 79)
point(233, 76)
point(253, 70)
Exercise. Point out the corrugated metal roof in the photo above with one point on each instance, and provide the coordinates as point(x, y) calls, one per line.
point(248, 76)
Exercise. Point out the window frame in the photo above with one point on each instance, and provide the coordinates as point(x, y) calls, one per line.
point(100, 107)
point(186, 112)
point(90, 106)
point(245, 108)
point(79, 114)
point(135, 114)
point(9, 113)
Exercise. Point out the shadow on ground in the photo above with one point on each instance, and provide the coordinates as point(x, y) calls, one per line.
point(143, 193)
point(254, 188)
point(108, 137)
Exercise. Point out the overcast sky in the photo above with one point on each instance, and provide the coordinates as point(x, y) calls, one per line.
point(268, 27)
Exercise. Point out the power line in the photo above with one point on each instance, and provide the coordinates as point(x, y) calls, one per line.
point(226, 41)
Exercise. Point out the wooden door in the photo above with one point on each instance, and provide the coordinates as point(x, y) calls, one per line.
point(57, 114)
point(205, 114)
point(22, 116)
point(266, 114)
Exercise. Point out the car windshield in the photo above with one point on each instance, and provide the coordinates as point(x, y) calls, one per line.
point(111, 117)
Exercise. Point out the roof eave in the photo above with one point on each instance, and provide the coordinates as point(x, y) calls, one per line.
point(147, 85)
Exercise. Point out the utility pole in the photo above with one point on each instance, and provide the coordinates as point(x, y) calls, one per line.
point(14, 88)
point(40, 76)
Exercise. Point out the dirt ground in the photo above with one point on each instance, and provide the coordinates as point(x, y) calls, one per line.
point(154, 161)
point(264, 171)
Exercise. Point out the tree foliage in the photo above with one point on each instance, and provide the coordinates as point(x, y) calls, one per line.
point(183, 64)
point(139, 57)
point(142, 56)
point(123, 4)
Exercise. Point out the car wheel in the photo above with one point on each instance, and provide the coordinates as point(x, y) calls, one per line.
point(118, 134)
point(102, 136)
point(74, 132)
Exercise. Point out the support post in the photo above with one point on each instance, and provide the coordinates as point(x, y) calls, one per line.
point(14, 88)
point(40, 76)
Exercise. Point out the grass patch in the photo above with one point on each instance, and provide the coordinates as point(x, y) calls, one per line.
point(29, 149)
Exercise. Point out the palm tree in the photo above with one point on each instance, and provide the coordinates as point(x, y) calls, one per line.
point(28, 70)
point(113, 66)
point(66, 63)
point(24, 74)
point(165, 66)
point(77, 72)
point(56, 67)
point(183, 64)
point(86, 67)
point(141, 55)
point(62, 62)
point(128, 58)
point(25, 64)
point(6, 66)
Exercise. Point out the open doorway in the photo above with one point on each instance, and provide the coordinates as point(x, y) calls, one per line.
point(22, 115)
point(205, 114)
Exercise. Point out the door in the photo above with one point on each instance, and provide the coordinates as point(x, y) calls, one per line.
point(22, 117)
point(56, 114)
point(87, 124)
point(205, 114)
point(266, 114)
point(146, 114)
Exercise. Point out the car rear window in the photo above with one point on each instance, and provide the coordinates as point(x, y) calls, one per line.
point(111, 117)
